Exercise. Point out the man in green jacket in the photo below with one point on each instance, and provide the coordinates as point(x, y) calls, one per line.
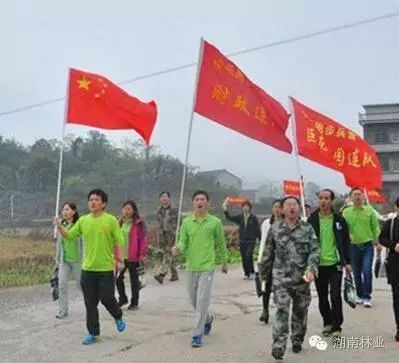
point(201, 241)
point(364, 230)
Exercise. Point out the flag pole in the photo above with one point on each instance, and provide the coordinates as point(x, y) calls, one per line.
point(60, 163)
point(366, 196)
point(296, 155)
point(190, 128)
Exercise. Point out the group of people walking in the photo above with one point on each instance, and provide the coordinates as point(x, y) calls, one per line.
point(321, 246)
point(99, 249)
point(295, 251)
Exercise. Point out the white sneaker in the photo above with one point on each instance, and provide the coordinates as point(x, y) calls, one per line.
point(367, 303)
point(358, 300)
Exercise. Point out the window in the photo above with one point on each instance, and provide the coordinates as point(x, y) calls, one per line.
point(384, 161)
point(381, 137)
point(395, 137)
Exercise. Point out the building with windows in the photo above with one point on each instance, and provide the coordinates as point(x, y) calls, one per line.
point(381, 130)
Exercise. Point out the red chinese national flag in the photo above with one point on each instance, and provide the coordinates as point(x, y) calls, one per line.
point(376, 197)
point(95, 101)
point(328, 143)
point(226, 96)
point(292, 188)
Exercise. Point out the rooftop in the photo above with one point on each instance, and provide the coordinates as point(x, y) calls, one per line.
point(380, 114)
point(216, 172)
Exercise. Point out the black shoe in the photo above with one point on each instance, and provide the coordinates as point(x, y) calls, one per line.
point(159, 278)
point(174, 277)
point(133, 307)
point(264, 317)
point(296, 348)
point(122, 302)
point(277, 353)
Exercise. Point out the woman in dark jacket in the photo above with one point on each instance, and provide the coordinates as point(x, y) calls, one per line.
point(389, 238)
point(249, 233)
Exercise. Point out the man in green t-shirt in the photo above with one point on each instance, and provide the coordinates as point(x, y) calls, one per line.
point(202, 242)
point(364, 231)
point(102, 237)
point(332, 232)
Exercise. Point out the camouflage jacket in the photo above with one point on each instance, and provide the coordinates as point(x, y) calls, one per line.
point(290, 253)
point(167, 219)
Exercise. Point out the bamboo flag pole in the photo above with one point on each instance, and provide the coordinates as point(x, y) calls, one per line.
point(296, 155)
point(60, 163)
point(190, 128)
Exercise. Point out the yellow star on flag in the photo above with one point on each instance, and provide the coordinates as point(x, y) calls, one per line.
point(84, 83)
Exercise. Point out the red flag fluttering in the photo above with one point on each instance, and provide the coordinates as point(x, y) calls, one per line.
point(95, 101)
point(226, 96)
point(331, 144)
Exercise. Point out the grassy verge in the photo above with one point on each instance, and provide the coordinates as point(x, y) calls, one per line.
point(24, 262)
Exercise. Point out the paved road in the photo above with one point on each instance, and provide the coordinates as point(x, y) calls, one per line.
point(160, 330)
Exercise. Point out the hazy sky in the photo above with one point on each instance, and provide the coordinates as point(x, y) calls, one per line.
point(335, 73)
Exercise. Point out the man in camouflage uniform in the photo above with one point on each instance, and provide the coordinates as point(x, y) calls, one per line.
point(291, 254)
point(167, 223)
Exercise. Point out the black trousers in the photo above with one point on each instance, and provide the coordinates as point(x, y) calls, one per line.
point(395, 295)
point(267, 293)
point(96, 287)
point(134, 282)
point(247, 257)
point(330, 278)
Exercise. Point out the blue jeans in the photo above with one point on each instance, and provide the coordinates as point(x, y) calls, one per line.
point(362, 260)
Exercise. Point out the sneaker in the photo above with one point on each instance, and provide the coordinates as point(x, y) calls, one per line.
point(296, 348)
point(327, 330)
point(120, 325)
point(61, 315)
point(159, 278)
point(133, 307)
point(264, 317)
point(91, 339)
point(367, 303)
point(277, 353)
point(196, 342)
point(122, 302)
point(208, 326)
point(358, 300)
point(336, 333)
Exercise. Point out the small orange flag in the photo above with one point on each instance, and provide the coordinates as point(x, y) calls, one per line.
point(292, 188)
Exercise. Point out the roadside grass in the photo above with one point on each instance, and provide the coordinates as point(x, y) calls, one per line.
point(24, 262)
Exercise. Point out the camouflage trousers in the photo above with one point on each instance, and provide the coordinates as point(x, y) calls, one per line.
point(299, 297)
point(165, 258)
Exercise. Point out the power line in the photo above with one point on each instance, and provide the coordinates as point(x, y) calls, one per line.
point(244, 51)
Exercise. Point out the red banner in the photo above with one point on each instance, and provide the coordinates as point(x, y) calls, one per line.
point(328, 143)
point(237, 200)
point(292, 188)
point(376, 197)
point(226, 96)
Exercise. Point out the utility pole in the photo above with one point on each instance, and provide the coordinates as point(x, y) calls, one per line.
point(12, 212)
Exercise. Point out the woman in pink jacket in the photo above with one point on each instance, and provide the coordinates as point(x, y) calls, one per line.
point(133, 252)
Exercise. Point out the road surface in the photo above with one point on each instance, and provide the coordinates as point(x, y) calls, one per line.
point(160, 330)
